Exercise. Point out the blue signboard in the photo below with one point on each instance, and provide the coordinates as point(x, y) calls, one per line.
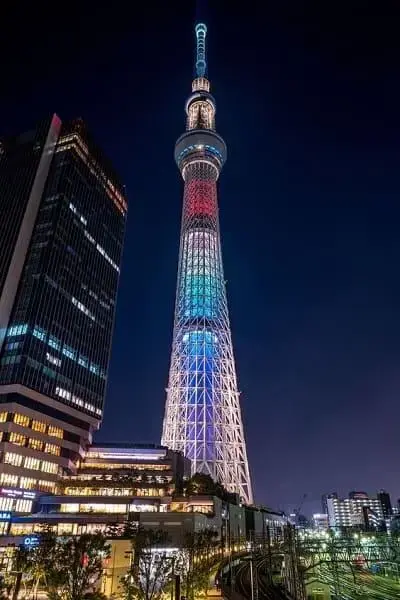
point(31, 541)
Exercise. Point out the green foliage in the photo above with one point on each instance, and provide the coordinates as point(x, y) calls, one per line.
point(201, 484)
point(150, 573)
point(67, 567)
point(195, 560)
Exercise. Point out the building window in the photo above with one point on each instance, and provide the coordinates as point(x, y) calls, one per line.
point(39, 426)
point(49, 467)
point(69, 352)
point(6, 479)
point(39, 333)
point(27, 483)
point(17, 330)
point(72, 508)
point(54, 343)
point(23, 506)
point(13, 459)
point(46, 486)
point(3, 417)
point(17, 438)
point(52, 449)
point(55, 431)
point(53, 359)
point(35, 444)
point(32, 463)
point(22, 420)
point(6, 503)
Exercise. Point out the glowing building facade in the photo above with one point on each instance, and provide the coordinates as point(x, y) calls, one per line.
point(202, 414)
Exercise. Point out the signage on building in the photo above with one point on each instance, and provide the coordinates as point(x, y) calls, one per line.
point(5, 516)
point(13, 493)
point(31, 541)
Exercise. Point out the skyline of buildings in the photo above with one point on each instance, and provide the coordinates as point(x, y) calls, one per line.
point(53, 335)
point(61, 235)
point(202, 411)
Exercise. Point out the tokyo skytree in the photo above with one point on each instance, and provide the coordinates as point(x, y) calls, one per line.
point(202, 413)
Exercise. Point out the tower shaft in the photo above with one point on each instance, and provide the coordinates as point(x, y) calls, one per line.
point(202, 414)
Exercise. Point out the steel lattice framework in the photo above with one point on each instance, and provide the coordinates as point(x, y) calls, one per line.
point(202, 413)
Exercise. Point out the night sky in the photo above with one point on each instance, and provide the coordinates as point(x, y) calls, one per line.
point(308, 101)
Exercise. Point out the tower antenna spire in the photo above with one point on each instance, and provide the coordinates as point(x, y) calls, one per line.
point(201, 60)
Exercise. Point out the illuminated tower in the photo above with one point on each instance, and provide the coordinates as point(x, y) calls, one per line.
point(202, 413)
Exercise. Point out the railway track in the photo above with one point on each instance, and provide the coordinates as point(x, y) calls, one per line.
point(263, 589)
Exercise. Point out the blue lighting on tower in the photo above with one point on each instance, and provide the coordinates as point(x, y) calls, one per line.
point(201, 63)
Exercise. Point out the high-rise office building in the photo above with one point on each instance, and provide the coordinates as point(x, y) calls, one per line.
point(63, 213)
point(202, 414)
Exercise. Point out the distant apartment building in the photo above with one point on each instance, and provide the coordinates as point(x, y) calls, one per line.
point(358, 510)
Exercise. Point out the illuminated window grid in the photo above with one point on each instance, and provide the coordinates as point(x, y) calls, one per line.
point(22, 420)
point(52, 449)
point(17, 438)
point(35, 444)
point(14, 459)
point(55, 431)
point(39, 426)
point(27, 483)
point(8, 479)
point(3, 417)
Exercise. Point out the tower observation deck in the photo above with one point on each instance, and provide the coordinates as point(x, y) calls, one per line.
point(202, 413)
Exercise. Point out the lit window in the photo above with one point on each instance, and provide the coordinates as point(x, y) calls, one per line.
point(6, 503)
point(35, 444)
point(39, 426)
point(6, 479)
point(39, 333)
point(68, 396)
point(13, 459)
point(49, 467)
point(83, 361)
point(17, 438)
point(32, 463)
point(3, 417)
point(52, 449)
point(67, 351)
point(55, 431)
point(27, 483)
point(22, 420)
point(71, 508)
point(17, 330)
point(54, 343)
point(53, 359)
point(23, 506)
point(83, 308)
point(46, 486)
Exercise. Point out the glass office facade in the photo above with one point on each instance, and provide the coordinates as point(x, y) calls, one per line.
point(56, 343)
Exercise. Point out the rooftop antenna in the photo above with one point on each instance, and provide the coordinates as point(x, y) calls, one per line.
point(201, 60)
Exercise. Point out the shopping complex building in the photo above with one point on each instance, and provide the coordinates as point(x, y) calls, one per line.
point(136, 483)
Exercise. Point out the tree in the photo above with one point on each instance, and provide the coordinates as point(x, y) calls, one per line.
point(77, 567)
point(203, 484)
point(194, 561)
point(31, 566)
point(151, 568)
